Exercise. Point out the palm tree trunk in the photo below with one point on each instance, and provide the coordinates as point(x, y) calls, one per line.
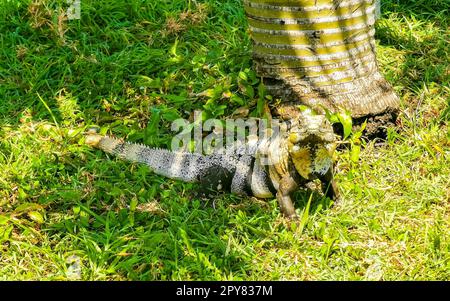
point(320, 53)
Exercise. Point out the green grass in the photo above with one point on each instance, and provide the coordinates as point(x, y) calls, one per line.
point(131, 67)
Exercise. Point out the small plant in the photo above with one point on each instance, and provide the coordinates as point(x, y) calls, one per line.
point(350, 135)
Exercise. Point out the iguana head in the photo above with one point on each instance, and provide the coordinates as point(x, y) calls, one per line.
point(311, 128)
point(311, 143)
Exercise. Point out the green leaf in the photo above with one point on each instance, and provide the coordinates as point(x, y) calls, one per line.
point(6, 232)
point(88, 211)
point(133, 204)
point(220, 110)
point(173, 49)
point(76, 210)
point(22, 194)
point(171, 115)
point(346, 121)
point(151, 131)
point(187, 243)
point(356, 136)
point(332, 117)
point(249, 91)
point(236, 99)
point(355, 153)
point(177, 99)
point(243, 76)
point(145, 81)
point(27, 207)
point(3, 220)
point(36, 216)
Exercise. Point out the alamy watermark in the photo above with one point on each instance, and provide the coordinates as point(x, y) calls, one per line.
point(74, 10)
point(232, 136)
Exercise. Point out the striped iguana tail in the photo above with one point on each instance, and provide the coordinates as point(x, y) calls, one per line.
point(175, 165)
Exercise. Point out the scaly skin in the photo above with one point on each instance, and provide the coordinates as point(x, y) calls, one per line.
point(301, 154)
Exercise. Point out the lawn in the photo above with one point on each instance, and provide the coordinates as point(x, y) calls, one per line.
point(132, 67)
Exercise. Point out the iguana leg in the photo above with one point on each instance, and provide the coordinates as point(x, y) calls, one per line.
point(286, 187)
point(329, 186)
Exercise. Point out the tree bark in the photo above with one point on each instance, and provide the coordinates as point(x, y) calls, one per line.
point(320, 53)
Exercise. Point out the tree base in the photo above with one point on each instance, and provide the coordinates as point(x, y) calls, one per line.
point(366, 96)
point(369, 98)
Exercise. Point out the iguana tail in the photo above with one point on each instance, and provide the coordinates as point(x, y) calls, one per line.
point(175, 165)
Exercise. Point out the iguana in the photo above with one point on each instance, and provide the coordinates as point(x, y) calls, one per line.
point(301, 154)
